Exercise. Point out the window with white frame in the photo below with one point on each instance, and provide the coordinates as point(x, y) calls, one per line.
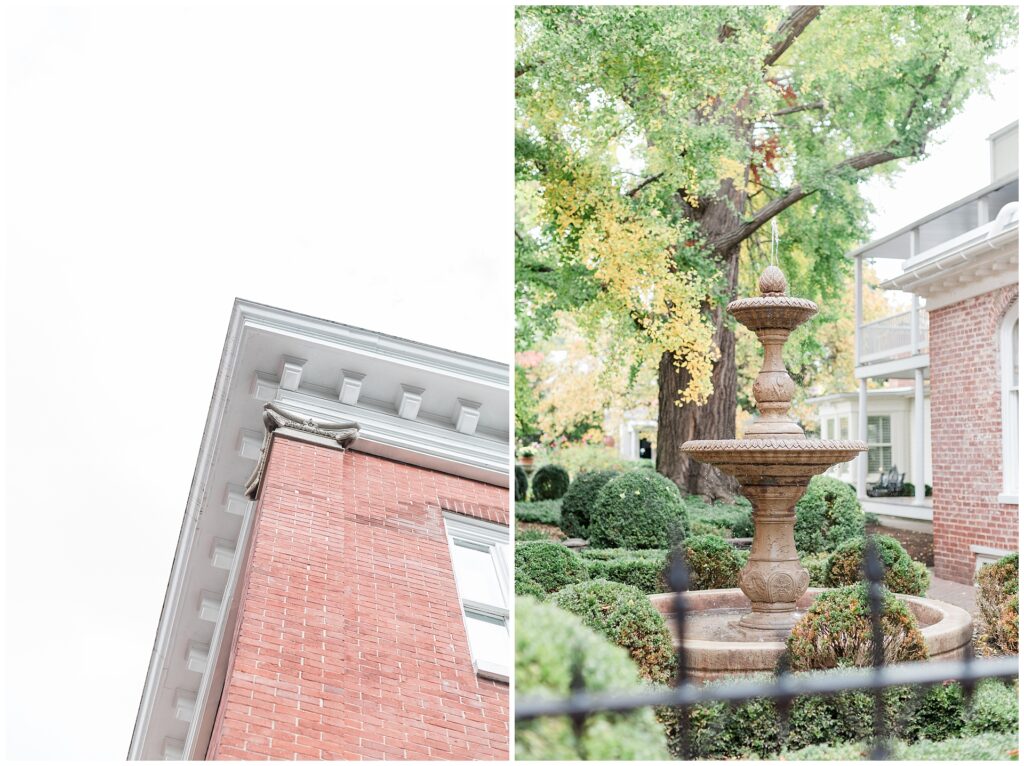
point(879, 443)
point(1009, 352)
point(480, 558)
point(844, 428)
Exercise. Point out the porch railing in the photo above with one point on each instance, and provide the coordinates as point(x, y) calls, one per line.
point(892, 336)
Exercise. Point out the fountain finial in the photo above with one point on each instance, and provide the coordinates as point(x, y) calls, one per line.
point(773, 282)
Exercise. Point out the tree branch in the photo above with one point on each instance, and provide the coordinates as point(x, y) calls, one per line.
point(794, 195)
point(799, 108)
point(643, 184)
point(790, 29)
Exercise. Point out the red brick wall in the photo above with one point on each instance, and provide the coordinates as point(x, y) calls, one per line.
point(966, 433)
point(350, 642)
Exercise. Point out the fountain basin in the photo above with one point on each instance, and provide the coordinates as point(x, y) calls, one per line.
point(716, 647)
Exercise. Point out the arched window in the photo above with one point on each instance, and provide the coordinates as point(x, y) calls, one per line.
point(1009, 352)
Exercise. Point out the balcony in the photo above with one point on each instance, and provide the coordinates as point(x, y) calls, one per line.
point(893, 337)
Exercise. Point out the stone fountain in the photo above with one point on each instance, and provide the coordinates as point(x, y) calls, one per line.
point(744, 630)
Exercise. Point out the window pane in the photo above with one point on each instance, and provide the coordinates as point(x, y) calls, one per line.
point(873, 430)
point(844, 428)
point(476, 575)
point(874, 456)
point(488, 637)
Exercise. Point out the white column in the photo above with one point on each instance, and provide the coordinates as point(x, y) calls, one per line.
point(915, 324)
point(861, 463)
point(917, 443)
point(858, 309)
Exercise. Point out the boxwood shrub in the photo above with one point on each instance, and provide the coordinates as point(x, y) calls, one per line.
point(625, 616)
point(815, 564)
point(725, 519)
point(712, 561)
point(522, 484)
point(544, 512)
point(531, 535)
point(527, 587)
point(845, 565)
point(827, 515)
point(549, 564)
point(580, 499)
point(752, 729)
point(549, 482)
point(548, 643)
point(639, 509)
point(983, 747)
point(940, 711)
point(836, 631)
point(998, 586)
point(645, 573)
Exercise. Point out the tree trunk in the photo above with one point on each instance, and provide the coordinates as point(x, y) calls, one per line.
point(716, 419)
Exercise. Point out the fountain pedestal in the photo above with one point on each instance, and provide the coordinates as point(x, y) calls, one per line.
point(775, 462)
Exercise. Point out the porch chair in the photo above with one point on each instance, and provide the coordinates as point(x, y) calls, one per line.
point(889, 484)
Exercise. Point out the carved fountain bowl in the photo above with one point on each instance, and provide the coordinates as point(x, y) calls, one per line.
point(772, 312)
point(752, 461)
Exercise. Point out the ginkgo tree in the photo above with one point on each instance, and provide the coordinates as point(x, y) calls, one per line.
point(653, 143)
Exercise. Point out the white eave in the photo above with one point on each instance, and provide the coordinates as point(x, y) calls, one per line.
point(414, 403)
point(976, 262)
point(897, 392)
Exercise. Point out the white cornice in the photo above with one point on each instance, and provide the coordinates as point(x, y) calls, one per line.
point(974, 263)
point(305, 364)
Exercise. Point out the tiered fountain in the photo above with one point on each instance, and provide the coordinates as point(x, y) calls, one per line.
point(743, 630)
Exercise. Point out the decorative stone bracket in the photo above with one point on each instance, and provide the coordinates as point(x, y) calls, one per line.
point(275, 417)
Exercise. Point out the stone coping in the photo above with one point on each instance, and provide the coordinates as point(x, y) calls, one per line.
point(946, 629)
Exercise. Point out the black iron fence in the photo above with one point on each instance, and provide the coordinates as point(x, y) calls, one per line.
point(785, 686)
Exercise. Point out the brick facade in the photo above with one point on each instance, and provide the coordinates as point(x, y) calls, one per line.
point(350, 641)
point(966, 432)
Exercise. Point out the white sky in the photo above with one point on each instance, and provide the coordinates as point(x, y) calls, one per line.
point(351, 164)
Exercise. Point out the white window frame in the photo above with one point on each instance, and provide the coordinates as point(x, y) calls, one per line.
point(888, 444)
point(1010, 406)
point(496, 539)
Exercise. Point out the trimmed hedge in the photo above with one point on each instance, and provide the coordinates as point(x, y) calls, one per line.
point(527, 587)
point(549, 641)
point(639, 509)
point(580, 499)
point(751, 730)
point(836, 631)
point(522, 484)
point(625, 616)
point(550, 482)
point(724, 519)
point(644, 573)
point(531, 535)
point(712, 561)
point(550, 565)
point(902, 574)
point(827, 515)
point(941, 712)
point(983, 747)
point(815, 564)
point(544, 512)
point(998, 586)
point(713, 564)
